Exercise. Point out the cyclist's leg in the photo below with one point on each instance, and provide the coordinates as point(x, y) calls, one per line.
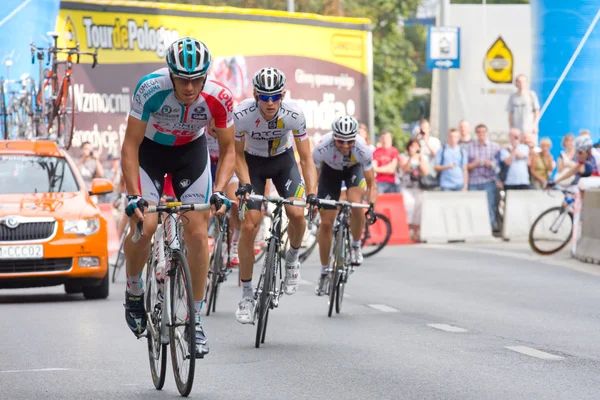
point(249, 228)
point(136, 254)
point(356, 184)
point(192, 183)
point(234, 219)
point(329, 188)
point(289, 184)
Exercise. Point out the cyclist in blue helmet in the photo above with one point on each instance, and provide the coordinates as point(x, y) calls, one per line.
point(166, 127)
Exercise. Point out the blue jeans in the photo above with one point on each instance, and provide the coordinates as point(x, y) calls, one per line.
point(452, 189)
point(490, 188)
point(387, 187)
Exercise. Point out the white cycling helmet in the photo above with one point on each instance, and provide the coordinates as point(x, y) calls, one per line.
point(345, 128)
point(583, 143)
point(188, 58)
point(269, 81)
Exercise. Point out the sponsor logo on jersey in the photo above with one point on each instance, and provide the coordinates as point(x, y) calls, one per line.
point(129, 36)
point(200, 109)
point(166, 109)
point(157, 184)
point(175, 131)
point(185, 183)
point(199, 117)
point(257, 122)
point(272, 124)
point(225, 97)
point(286, 112)
point(266, 135)
point(241, 113)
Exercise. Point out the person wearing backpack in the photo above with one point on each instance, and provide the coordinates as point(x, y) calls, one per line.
point(481, 165)
point(451, 164)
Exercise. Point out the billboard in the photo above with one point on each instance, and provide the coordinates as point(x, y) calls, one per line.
point(325, 59)
point(496, 46)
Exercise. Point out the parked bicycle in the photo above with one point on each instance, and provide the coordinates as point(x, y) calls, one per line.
point(54, 116)
point(168, 281)
point(340, 258)
point(270, 284)
point(553, 229)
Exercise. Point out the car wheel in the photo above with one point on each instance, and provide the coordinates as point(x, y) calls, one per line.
point(97, 292)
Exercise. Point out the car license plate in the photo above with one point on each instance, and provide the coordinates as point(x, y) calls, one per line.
point(22, 251)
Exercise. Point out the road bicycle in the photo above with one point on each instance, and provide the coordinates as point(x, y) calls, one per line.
point(552, 230)
point(340, 258)
point(220, 261)
point(55, 113)
point(120, 260)
point(168, 281)
point(269, 289)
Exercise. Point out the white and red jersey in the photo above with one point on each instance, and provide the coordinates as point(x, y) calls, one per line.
point(170, 123)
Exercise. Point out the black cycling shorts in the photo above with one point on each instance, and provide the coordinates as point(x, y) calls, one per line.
point(188, 164)
point(330, 182)
point(281, 169)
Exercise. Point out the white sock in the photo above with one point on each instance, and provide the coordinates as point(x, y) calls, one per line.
point(236, 235)
point(247, 289)
point(134, 285)
point(324, 269)
point(292, 255)
point(356, 243)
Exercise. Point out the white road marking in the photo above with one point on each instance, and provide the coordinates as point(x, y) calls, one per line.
point(382, 307)
point(34, 370)
point(447, 328)
point(534, 353)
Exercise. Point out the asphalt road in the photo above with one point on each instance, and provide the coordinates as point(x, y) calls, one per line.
point(417, 323)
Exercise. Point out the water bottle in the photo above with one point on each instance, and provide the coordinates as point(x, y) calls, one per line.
point(160, 281)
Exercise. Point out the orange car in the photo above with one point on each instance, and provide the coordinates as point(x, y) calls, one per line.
point(51, 233)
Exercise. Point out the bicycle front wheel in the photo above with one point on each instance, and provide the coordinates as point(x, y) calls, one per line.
point(183, 312)
point(120, 261)
point(214, 274)
point(382, 226)
point(335, 266)
point(551, 231)
point(156, 350)
point(265, 286)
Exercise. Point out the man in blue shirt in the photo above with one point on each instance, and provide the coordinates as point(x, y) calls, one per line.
point(451, 164)
point(515, 156)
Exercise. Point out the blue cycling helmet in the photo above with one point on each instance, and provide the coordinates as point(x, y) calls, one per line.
point(188, 58)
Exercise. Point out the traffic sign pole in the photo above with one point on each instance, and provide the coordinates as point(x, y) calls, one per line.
point(444, 78)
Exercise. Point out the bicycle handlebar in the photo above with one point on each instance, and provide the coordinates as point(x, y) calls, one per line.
point(268, 199)
point(170, 208)
point(342, 203)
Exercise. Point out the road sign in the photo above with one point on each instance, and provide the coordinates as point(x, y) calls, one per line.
point(443, 47)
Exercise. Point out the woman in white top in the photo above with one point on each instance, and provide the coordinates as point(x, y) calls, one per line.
point(566, 158)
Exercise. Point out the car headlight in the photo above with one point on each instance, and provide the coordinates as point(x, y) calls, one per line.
point(82, 227)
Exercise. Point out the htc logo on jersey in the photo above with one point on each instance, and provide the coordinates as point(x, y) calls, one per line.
point(266, 135)
point(245, 111)
point(283, 111)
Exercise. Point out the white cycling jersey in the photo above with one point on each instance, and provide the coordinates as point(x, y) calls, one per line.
point(326, 152)
point(171, 123)
point(269, 138)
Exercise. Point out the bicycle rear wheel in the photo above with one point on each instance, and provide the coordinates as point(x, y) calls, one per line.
point(551, 231)
point(334, 269)
point(156, 350)
point(370, 247)
point(183, 312)
point(265, 285)
point(66, 110)
point(344, 273)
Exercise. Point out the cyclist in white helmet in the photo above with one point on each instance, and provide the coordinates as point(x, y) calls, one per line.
point(343, 157)
point(265, 127)
point(587, 158)
point(165, 133)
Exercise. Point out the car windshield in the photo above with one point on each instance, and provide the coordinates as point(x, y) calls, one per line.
point(22, 174)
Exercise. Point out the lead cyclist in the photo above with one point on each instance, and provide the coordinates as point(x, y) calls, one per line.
point(343, 157)
point(165, 134)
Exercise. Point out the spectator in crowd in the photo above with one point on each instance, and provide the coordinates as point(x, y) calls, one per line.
point(542, 165)
point(385, 164)
point(451, 164)
point(481, 166)
point(516, 157)
point(465, 133)
point(413, 166)
point(529, 140)
point(363, 131)
point(89, 164)
point(429, 144)
point(523, 108)
point(566, 159)
point(113, 174)
point(585, 132)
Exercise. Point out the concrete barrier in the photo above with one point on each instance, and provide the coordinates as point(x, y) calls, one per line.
point(588, 246)
point(455, 216)
point(521, 209)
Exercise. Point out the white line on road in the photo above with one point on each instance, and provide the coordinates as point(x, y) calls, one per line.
point(448, 328)
point(382, 307)
point(34, 370)
point(534, 353)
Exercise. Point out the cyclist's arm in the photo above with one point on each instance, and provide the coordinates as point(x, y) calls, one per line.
point(573, 171)
point(371, 186)
point(130, 163)
point(308, 166)
point(227, 157)
point(241, 168)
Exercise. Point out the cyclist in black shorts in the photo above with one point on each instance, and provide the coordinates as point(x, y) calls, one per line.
point(343, 157)
point(265, 127)
point(165, 134)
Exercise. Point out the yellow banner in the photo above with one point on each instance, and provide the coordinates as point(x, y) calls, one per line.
point(125, 38)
